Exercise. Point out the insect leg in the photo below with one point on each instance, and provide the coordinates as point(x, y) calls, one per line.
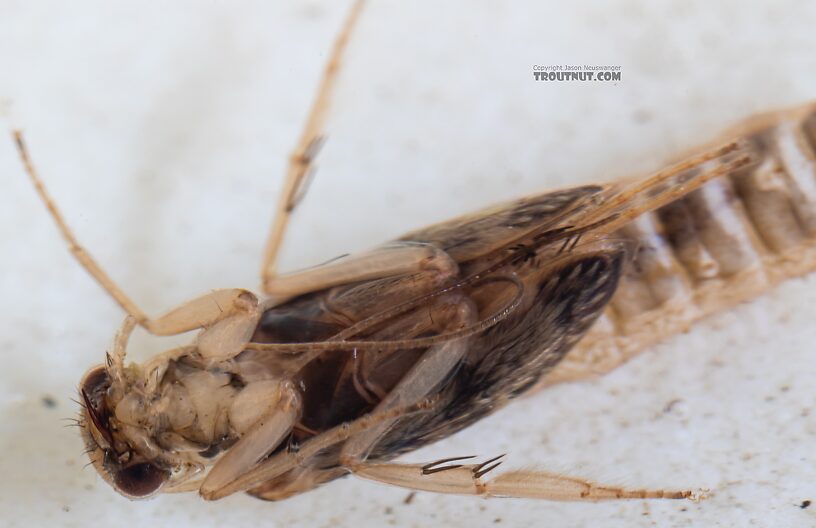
point(82, 256)
point(199, 313)
point(451, 312)
point(256, 443)
point(466, 479)
point(422, 380)
point(301, 159)
point(400, 258)
point(280, 463)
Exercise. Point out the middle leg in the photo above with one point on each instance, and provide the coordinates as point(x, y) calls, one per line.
point(423, 379)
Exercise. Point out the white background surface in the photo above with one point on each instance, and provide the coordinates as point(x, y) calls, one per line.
point(162, 129)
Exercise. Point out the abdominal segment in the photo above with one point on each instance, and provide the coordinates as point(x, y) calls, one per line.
point(728, 241)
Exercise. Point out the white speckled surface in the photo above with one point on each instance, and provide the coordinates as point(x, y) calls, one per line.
point(162, 130)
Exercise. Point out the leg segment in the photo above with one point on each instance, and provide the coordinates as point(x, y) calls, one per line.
point(410, 395)
point(467, 480)
point(84, 258)
point(421, 381)
point(400, 258)
point(204, 312)
point(300, 162)
point(238, 307)
point(262, 437)
point(280, 463)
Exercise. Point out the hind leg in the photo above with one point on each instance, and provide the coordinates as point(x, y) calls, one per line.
point(466, 479)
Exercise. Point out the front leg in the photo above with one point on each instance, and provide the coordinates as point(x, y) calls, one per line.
point(279, 463)
point(261, 436)
point(240, 307)
point(203, 312)
point(228, 319)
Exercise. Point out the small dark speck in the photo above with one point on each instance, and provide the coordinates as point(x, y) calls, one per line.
point(389, 510)
point(670, 406)
point(66, 509)
point(784, 388)
point(48, 402)
point(641, 116)
point(497, 520)
point(805, 504)
point(683, 509)
point(409, 499)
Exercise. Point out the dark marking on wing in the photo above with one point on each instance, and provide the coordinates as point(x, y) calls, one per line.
point(475, 235)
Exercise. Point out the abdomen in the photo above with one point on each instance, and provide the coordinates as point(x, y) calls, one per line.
point(730, 240)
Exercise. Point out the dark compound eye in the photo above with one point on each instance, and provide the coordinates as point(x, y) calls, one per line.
point(140, 480)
